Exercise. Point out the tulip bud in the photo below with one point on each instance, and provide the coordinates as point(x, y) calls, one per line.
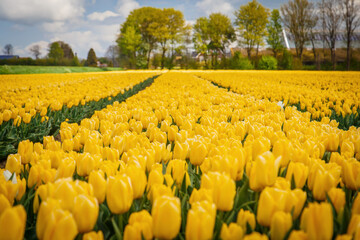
point(347, 148)
point(166, 211)
point(351, 174)
point(93, 236)
point(337, 198)
point(282, 148)
point(4, 203)
point(198, 153)
point(25, 149)
point(86, 210)
point(231, 232)
point(6, 115)
point(155, 177)
point(13, 222)
point(98, 182)
point(178, 169)
point(180, 150)
point(138, 180)
point(27, 118)
point(260, 146)
point(299, 172)
point(281, 223)
point(223, 187)
point(200, 220)
point(317, 221)
point(201, 195)
point(298, 235)
point(356, 205)
point(264, 171)
point(65, 192)
point(13, 163)
point(256, 236)
point(245, 217)
point(119, 193)
point(85, 163)
point(332, 142)
point(140, 224)
point(172, 130)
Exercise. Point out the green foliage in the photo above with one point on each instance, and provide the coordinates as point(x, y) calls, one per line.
point(55, 51)
point(91, 58)
point(19, 69)
point(252, 19)
point(274, 29)
point(268, 63)
point(286, 61)
point(212, 35)
point(239, 62)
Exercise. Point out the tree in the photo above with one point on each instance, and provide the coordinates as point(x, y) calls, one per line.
point(112, 53)
point(130, 42)
point(274, 28)
point(297, 18)
point(201, 38)
point(8, 49)
point(68, 52)
point(332, 20)
point(252, 19)
point(351, 15)
point(168, 29)
point(141, 19)
point(35, 50)
point(213, 35)
point(91, 58)
point(55, 51)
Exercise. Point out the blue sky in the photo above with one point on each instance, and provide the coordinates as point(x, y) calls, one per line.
point(86, 24)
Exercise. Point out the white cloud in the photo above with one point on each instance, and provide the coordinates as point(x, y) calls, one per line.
point(98, 37)
point(34, 11)
point(54, 26)
point(124, 7)
point(211, 6)
point(101, 16)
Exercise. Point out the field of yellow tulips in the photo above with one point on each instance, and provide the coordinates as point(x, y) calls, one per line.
point(335, 95)
point(187, 159)
point(33, 106)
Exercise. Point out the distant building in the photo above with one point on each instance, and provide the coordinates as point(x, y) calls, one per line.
point(6, 57)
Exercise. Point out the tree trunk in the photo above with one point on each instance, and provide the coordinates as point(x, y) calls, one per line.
point(257, 51)
point(249, 53)
point(348, 42)
point(163, 57)
point(333, 58)
point(148, 59)
point(275, 53)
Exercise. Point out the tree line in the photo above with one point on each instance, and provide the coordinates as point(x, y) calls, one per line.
point(161, 38)
point(149, 29)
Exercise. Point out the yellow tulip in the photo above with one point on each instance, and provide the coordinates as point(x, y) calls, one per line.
point(282, 148)
point(85, 163)
point(119, 193)
point(158, 190)
point(255, 236)
point(198, 153)
point(347, 148)
point(86, 210)
point(281, 223)
point(295, 201)
point(43, 192)
point(181, 150)
point(260, 146)
point(178, 169)
point(351, 174)
point(66, 168)
point(264, 171)
point(271, 200)
point(93, 236)
point(140, 224)
point(231, 232)
point(65, 192)
point(223, 188)
point(60, 225)
point(201, 195)
point(155, 177)
point(25, 149)
point(6, 115)
point(13, 163)
point(4, 203)
point(298, 235)
point(138, 180)
point(337, 197)
point(356, 205)
point(166, 211)
point(200, 220)
point(354, 225)
point(13, 222)
point(332, 143)
point(299, 172)
point(317, 221)
point(98, 182)
point(245, 217)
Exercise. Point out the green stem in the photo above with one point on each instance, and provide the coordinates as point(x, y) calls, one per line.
point(116, 228)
